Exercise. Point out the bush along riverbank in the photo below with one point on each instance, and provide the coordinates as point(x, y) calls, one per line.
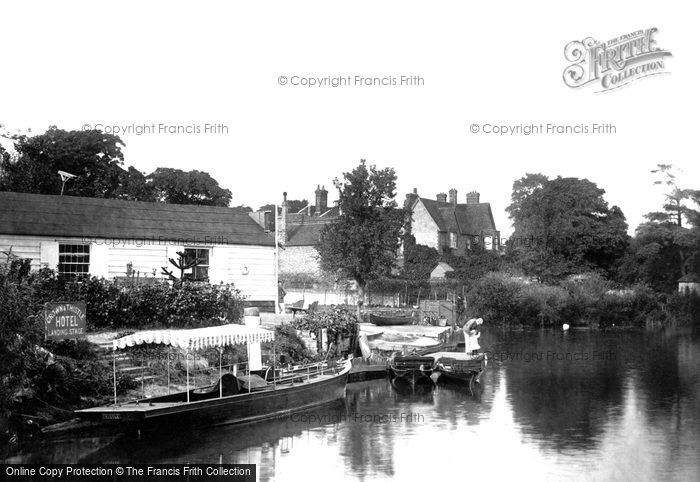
point(43, 382)
point(586, 300)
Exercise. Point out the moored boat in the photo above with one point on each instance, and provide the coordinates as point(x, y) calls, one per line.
point(459, 366)
point(233, 399)
point(390, 320)
point(412, 368)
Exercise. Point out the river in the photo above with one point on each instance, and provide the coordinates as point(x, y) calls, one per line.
point(553, 405)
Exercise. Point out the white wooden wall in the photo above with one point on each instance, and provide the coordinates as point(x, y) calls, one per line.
point(250, 268)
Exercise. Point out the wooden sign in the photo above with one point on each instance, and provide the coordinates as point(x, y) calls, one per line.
point(65, 321)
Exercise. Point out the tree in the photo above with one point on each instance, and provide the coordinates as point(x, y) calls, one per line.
point(523, 188)
point(476, 263)
point(193, 187)
point(243, 207)
point(667, 246)
point(418, 260)
point(94, 157)
point(362, 243)
point(134, 186)
point(564, 226)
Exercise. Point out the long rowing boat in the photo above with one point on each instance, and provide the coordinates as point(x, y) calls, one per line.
point(390, 320)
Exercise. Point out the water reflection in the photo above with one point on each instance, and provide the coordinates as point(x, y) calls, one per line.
point(579, 405)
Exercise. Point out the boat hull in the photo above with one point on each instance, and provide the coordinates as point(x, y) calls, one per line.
point(459, 371)
point(412, 367)
point(390, 320)
point(234, 409)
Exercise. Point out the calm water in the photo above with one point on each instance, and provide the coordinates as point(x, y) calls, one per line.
point(552, 406)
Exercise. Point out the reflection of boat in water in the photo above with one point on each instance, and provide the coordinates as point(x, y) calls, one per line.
point(390, 320)
point(203, 446)
point(232, 399)
point(404, 386)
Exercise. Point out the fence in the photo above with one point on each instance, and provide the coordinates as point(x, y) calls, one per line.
point(435, 310)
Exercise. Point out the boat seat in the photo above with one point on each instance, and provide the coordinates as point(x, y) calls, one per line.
point(230, 385)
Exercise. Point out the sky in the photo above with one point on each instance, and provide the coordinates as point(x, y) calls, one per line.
point(76, 64)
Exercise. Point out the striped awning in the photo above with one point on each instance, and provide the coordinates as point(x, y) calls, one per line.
point(198, 338)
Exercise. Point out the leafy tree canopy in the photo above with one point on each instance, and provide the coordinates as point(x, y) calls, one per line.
point(363, 242)
point(188, 187)
point(564, 226)
point(92, 156)
point(96, 159)
point(667, 246)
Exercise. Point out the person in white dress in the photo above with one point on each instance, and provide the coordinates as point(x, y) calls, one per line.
point(472, 332)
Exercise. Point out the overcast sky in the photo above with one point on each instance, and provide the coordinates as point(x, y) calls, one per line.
point(187, 64)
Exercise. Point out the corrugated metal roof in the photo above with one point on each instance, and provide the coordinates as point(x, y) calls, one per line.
point(46, 215)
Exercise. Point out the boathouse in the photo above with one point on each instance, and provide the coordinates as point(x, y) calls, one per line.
point(112, 238)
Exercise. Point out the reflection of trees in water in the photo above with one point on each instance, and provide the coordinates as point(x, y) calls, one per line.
point(555, 392)
point(669, 378)
point(369, 447)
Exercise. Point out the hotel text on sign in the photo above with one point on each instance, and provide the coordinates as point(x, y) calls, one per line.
point(65, 321)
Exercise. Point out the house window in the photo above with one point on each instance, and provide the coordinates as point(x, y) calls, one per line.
point(201, 271)
point(73, 260)
point(488, 242)
point(453, 240)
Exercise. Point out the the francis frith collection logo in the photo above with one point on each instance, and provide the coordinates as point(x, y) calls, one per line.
point(615, 63)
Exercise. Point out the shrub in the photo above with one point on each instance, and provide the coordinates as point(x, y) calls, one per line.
point(289, 347)
point(586, 300)
point(684, 309)
point(114, 306)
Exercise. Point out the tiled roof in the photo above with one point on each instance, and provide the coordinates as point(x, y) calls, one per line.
point(445, 266)
point(304, 234)
point(44, 215)
point(471, 219)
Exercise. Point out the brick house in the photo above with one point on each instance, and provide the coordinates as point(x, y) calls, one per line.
point(446, 225)
point(299, 232)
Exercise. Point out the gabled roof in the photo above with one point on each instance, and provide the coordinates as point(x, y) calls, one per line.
point(47, 215)
point(446, 267)
point(304, 234)
point(469, 219)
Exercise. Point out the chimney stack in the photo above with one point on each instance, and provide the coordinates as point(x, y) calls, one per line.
point(283, 220)
point(473, 197)
point(453, 197)
point(321, 200)
point(442, 197)
point(415, 190)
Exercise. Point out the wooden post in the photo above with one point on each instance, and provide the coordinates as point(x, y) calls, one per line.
point(168, 369)
point(114, 372)
point(247, 345)
point(187, 369)
point(274, 383)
